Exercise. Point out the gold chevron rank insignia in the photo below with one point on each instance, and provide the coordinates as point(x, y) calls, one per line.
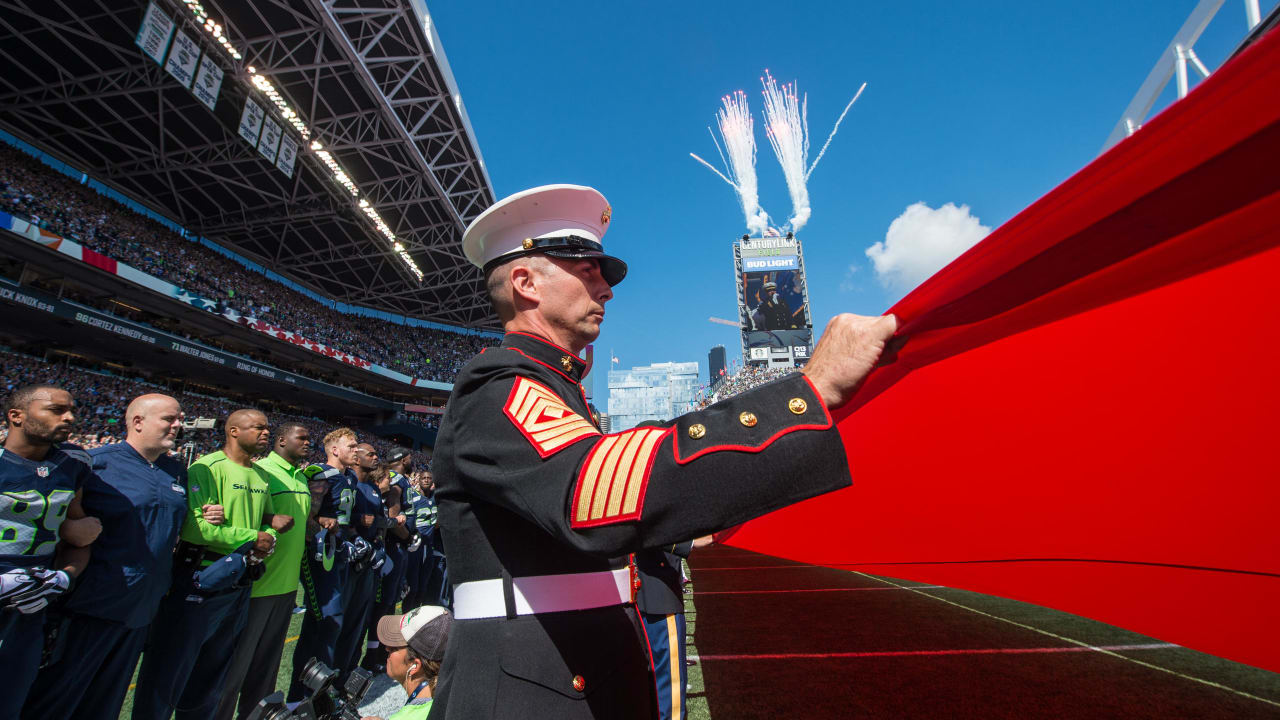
point(614, 477)
point(544, 419)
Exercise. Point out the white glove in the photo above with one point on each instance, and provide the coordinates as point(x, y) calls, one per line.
point(415, 543)
point(52, 583)
point(15, 581)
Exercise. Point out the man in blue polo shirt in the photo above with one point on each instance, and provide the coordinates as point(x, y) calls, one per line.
point(139, 493)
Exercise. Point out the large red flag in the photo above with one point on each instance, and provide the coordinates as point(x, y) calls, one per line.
point(1083, 414)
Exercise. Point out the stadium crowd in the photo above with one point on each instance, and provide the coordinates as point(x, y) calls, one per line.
point(196, 577)
point(32, 190)
point(742, 380)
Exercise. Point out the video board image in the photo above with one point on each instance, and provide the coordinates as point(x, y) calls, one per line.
point(774, 300)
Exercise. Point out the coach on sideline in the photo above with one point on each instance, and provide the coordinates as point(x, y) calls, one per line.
point(139, 493)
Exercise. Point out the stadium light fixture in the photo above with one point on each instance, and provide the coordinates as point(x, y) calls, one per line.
point(211, 27)
point(264, 85)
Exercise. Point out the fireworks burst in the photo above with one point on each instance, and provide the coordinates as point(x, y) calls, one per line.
point(786, 124)
point(737, 130)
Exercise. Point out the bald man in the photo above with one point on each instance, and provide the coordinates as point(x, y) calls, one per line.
point(194, 634)
point(139, 493)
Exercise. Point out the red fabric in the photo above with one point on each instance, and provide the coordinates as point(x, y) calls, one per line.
point(98, 260)
point(1083, 413)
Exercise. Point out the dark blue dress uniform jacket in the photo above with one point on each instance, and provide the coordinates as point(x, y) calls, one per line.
point(142, 506)
point(528, 486)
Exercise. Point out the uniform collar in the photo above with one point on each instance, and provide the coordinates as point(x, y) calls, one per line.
point(541, 350)
point(277, 459)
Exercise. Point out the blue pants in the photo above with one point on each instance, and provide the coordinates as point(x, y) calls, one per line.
point(415, 576)
point(363, 586)
point(326, 594)
point(21, 642)
point(189, 648)
point(101, 655)
point(438, 591)
point(666, 646)
point(385, 600)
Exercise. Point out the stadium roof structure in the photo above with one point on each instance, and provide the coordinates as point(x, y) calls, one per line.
point(360, 83)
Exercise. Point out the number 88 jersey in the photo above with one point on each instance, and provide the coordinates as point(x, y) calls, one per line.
point(34, 497)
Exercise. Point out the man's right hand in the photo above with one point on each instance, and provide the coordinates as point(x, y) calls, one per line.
point(265, 545)
point(848, 350)
point(327, 523)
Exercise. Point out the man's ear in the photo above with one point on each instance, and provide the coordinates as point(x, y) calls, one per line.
point(524, 282)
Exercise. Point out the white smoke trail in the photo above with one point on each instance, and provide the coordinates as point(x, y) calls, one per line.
point(738, 132)
point(839, 120)
point(787, 127)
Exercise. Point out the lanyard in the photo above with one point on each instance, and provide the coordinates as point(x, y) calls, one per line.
point(421, 685)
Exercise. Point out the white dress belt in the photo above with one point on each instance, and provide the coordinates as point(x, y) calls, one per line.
point(542, 594)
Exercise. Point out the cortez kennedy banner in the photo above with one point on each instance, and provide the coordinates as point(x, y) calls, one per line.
point(36, 301)
point(1079, 412)
point(75, 250)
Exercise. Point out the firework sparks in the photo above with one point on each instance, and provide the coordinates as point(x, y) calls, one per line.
point(786, 124)
point(737, 130)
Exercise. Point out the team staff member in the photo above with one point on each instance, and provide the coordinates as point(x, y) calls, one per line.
point(194, 634)
point(395, 497)
point(368, 520)
point(256, 662)
point(537, 506)
point(326, 591)
point(139, 493)
point(40, 487)
point(660, 601)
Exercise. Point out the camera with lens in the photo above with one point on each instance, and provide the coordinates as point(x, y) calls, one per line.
point(326, 699)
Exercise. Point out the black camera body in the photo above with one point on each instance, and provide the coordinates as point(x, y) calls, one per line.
point(327, 699)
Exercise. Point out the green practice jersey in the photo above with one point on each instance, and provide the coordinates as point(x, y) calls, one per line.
point(289, 496)
point(242, 492)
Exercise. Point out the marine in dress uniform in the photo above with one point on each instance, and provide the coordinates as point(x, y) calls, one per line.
point(139, 493)
point(539, 509)
point(660, 600)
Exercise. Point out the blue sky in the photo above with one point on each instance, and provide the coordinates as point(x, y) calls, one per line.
point(988, 105)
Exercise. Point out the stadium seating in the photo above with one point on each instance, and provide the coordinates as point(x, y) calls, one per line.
point(40, 194)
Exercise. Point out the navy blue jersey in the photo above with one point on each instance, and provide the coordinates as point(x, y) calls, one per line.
point(34, 497)
point(341, 495)
point(142, 506)
point(420, 511)
point(368, 502)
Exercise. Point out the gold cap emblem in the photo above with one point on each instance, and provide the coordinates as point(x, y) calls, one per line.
point(566, 363)
point(697, 430)
point(748, 419)
point(528, 243)
point(797, 406)
point(604, 216)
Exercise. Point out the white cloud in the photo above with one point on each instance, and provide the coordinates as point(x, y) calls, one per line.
point(846, 285)
point(921, 241)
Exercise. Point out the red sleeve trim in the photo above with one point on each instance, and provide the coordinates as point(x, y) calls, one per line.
point(675, 445)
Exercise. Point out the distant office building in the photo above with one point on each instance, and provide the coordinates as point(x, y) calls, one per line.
point(717, 365)
point(660, 391)
point(605, 423)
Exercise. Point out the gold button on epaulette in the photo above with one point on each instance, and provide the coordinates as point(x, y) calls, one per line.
point(748, 419)
point(797, 406)
point(579, 683)
point(697, 430)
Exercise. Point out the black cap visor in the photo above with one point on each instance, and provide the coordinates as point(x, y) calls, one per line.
point(570, 247)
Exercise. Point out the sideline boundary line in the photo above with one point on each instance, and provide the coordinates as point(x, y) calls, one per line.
point(1073, 641)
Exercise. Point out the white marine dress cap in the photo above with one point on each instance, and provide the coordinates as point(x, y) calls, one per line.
point(566, 221)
